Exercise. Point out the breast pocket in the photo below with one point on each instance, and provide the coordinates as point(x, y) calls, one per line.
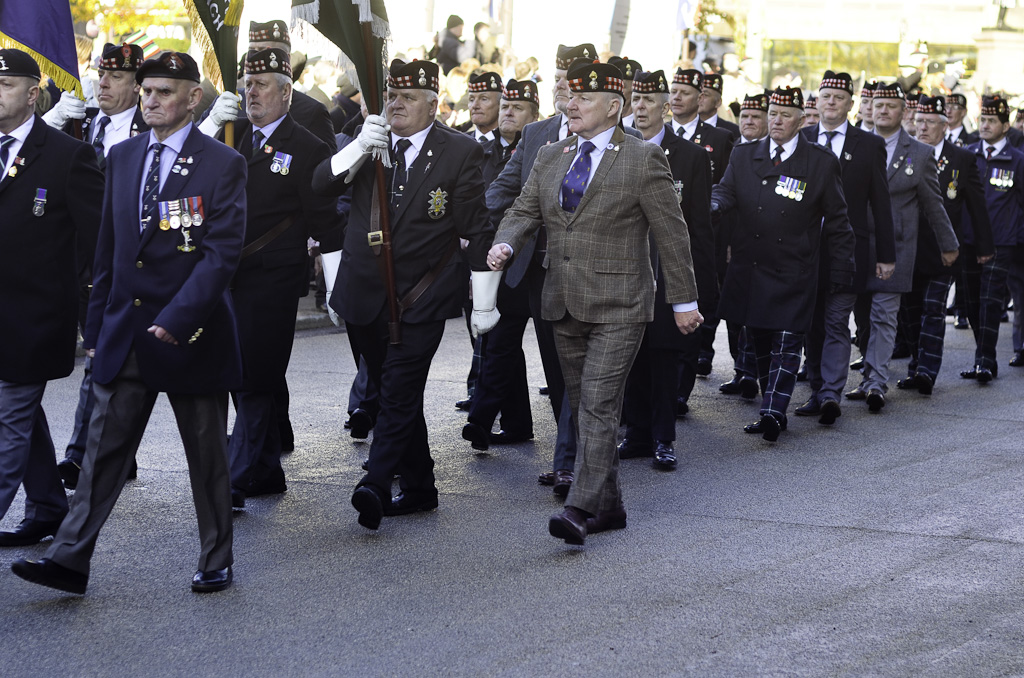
point(616, 266)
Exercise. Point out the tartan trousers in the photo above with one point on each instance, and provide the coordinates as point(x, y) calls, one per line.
point(984, 288)
point(778, 361)
point(923, 316)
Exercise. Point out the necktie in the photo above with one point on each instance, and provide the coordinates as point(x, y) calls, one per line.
point(989, 151)
point(575, 182)
point(151, 188)
point(401, 172)
point(949, 137)
point(5, 141)
point(829, 136)
point(97, 143)
point(257, 142)
point(777, 156)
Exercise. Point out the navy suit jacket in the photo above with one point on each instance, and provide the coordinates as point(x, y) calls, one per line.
point(147, 280)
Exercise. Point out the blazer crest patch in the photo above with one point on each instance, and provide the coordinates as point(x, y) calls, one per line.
point(437, 203)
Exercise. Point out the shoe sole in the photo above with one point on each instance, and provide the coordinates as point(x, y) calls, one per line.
point(210, 588)
point(559, 530)
point(414, 509)
point(369, 508)
point(30, 574)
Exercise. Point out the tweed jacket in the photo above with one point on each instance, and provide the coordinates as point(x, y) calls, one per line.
point(598, 261)
point(914, 189)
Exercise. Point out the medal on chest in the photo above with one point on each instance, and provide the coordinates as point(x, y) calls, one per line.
point(951, 189)
point(39, 204)
point(791, 188)
point(281, 163)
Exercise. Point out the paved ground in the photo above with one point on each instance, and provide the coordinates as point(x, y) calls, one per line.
point(889, 545)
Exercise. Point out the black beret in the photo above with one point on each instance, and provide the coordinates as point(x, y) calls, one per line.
point(122, 57)
point(414, 75)
point(272, 31)
point(16, 62)
point(175, 65)
point(595, 77)
point(757, 102)
point(997, 106)
point(936, 105)
point(891, 91)
point(956, 100)
point(568, 53)
point(271, 60)
point(713, 81)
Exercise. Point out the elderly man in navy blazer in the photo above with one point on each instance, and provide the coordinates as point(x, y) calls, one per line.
point(160, 319)
point(49, 198)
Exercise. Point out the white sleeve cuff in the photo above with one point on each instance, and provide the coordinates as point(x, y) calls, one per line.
point(684, 308)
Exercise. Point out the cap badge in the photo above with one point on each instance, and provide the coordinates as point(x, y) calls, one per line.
point(127, 52)
point(593, 80)
point(423, 78)
point(3, 64)
point(273, 60)
point(174, 62)
point(277, 32)
point(586, 52)
point(629, 70)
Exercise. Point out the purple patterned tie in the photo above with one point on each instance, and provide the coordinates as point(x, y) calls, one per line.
point(575, 182)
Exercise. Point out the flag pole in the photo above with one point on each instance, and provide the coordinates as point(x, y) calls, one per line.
point(372, 106)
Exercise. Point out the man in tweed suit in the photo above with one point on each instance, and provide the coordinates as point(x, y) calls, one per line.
point(599, 291)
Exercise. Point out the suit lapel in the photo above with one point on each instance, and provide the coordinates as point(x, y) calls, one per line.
point(428, 158)
point(762, 159)
point(29, 152)
point(607, 160)
point(899, 155)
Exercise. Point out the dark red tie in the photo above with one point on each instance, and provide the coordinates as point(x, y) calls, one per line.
point(777, 156)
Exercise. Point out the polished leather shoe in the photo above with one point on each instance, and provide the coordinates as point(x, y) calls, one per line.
point(962, 323)
point(924, 383)
point(876, 400)
point(478, 438)
point(546, 478)
point(801, 374)
point(48, 573)
point(907, 384)
point(563, 483)
point(69, 472)
point(770, 428)
point(749, 388)
point(405, 504)
point(758, 426)
point(369, 506)
point(29, 532)
point(570, 525)
point(361, 424)
point(983, 375)
point(464, 405)
point(615, 519)
point(631, 449)
point(856, 394)
point(682, 408)
point(857, 364)
point(732, 387)
point(664, 456)
point(237, 499)
point(504, 437)
point(1017, 360)
point(703, 368)
point(347, 423)
point(969, 374)
point(211, 581)
point(365, 465)
point(273, 483)
point(809, 408)
point(830, 411)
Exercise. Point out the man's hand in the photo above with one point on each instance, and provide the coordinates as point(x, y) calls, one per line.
point(949, 258)
point(498, 255)
point(884, 271)
point(162, 334)
point(69, 107)
point(985, 259)
point(91, 352)
point(688, 321)
point(223, 110)
point(374, 134)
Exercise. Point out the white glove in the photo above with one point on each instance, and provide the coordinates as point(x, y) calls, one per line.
point(374, 134)
point(224, 109)
point(373, 139)
point(69, 107)
point(485, 298)
point(330, 261)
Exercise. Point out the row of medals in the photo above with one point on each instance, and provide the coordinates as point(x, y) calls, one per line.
point(186, 219)
point(790, 188)
point(1001, 179)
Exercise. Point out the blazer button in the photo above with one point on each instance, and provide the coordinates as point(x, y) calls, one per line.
point(566, 258)
point(137, 302)
point(569, 230)
point(764, 182)
point(138, 264)
point(783, 212)
point(780, 241)
point(757, 236)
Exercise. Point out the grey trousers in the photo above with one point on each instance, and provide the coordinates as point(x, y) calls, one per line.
point(596, 359)
point(26, 453)
point(119, 419)
point(828, 377)
point(885, 306)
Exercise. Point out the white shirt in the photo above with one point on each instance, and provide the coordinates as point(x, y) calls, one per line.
point(686, 131)
point(563, 129)
point(787, 148)
point(955, 133)
point(168, 155)
point(267, 130)
point(997, 145)
point(118, 129)
point(485, 136)
point(713, 120)
point(837, 141)
point(657, 138)
point(937, 149)
point(20, 134)
point(413, 151)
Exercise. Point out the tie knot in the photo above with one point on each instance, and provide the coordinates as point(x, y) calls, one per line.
point(587, 147)
point(403, 145)
point(831, 134)
point(103, 122)
point(990, 150)
point(6, 141)
point(156, 148)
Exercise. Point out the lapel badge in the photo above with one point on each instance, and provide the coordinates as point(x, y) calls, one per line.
point(568, 148)
point(18, 162)
point(267, 148)
point(39, 204)
point(438, 203)
point(678, 185)
point(430, 153)
point(187, 245)
point(846, 156)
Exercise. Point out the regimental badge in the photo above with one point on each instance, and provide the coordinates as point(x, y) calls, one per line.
point(277, 32)
point(126, 52)
point(791, 188)
point(847, 157)
point(186, 246)
point(273, 61)
point(174, 63)
point(951, 189)
point(423, 78)
point(629, 70)
point(135, 130)
point(678, 185)
point(593, 80)
point(438, 203)
point(3, 64)
point(943, 161)
point(18, 162)
point(281, 163)
point(39, 204)
point(586, 52)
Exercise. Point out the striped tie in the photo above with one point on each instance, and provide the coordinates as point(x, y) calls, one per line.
point(152, 187)
point(97, 143)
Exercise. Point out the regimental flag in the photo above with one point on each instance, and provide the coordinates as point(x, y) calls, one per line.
point(44, 29)
point(340, 22)
point(215, 29)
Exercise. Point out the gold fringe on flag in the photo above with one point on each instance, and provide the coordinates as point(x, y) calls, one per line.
point(64, 80)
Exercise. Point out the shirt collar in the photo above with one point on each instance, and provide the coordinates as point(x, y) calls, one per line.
point(268, 130)
point(955, 132)
point(841, 130)
point(713, 120)
point(602, 139)
point(176, 141)
point(998, 146)
point(937, 148)
point(691, 126)
point(417, 139)
point(657, 138)
point(788, 147)
point(118, 120)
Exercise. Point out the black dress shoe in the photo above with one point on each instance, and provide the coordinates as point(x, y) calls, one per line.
point(546, 478)
point(478, 438)
point(614, 519)
point(631, 449)
point(664, 456)
point(211, 581)
point(907, 384)
point(969, 374)
point(348, 422)
point(830, 411)
point(543, 390)
point(405, 504)
point(30, 532)
point(273, 484)
point(857, 394)
point(801, 374)
point(464, 405)
point(563, 483)
point(504, 437)
point(732, 387)
point(361, 424)
point(365, 465)
point(682, 408)
point(284, 429)
point(69, 472)
point(857, 364)
point(770, 428)
point(369, 506)
point(1017, 360)
point(876, 400)
point(983, 375)
point(237, 499)
point(758, 426)
point(962, 323)
point(48, 573)
point(924, 383)
point(809, 408)
point(703, 368)
point(570, 525)
point(749, 388)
